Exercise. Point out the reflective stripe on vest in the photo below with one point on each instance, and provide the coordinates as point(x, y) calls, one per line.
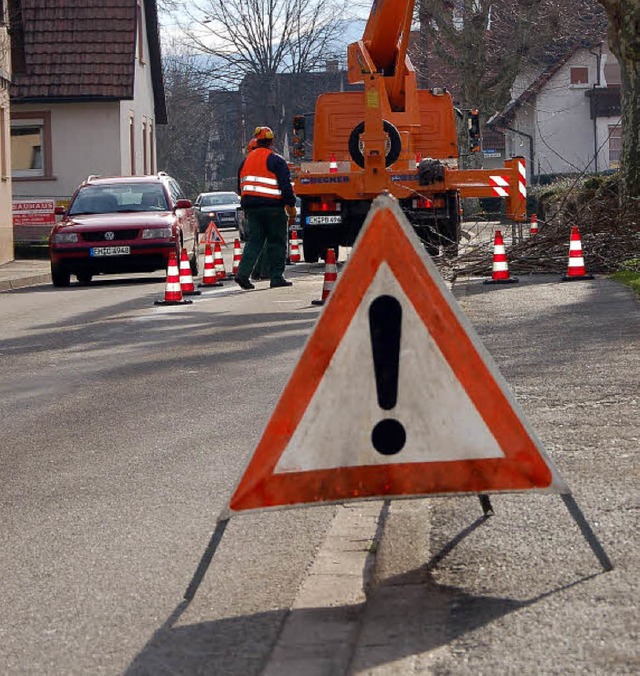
point(256, 179)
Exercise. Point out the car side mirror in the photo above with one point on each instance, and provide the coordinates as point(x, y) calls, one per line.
point(59, 211)
point(183, 204)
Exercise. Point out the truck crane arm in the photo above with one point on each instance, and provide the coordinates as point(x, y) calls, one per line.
point(383, 50)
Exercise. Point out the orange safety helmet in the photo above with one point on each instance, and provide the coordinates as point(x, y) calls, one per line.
point(263, 132)
point(252, 145)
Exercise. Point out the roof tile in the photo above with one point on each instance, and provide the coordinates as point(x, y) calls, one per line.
point(77, 48)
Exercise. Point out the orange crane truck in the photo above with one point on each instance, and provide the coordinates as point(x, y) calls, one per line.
point(391, 137)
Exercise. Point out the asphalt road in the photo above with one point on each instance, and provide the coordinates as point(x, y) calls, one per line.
point(126, 425)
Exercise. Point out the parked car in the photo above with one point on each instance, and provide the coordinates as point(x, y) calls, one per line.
point(122, 224)
point(223, 206)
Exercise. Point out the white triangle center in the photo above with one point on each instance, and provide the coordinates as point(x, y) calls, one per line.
point(440, 421)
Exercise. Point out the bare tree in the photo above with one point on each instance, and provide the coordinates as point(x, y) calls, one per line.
point(624, 41)
point(264, 36)
point(182, 142)
point(488, 42)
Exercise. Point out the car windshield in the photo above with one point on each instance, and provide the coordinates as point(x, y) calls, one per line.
point(106, 199)
point(216, 199)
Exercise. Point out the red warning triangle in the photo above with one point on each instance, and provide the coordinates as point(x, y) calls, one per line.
point(212, 234)
point(394, 394)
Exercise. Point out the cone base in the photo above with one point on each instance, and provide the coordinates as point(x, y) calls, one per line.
point(173, 302)
point(192, 293)
point(576, 278)
point(210, 284)
point(511, 280)
point(317, 302)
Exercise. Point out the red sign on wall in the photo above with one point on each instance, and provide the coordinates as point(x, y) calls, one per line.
point(33, 219)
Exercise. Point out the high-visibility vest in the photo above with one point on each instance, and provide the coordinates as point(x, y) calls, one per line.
point(256, 179)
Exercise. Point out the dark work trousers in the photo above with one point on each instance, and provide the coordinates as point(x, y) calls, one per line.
point(266, 224)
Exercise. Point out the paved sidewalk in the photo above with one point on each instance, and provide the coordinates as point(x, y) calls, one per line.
point(24, 272)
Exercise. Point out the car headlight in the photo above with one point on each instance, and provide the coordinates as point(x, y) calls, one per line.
point(156, 233)
point(65, 237)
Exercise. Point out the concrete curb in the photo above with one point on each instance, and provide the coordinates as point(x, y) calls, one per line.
point(322, 628)
point(23, 282)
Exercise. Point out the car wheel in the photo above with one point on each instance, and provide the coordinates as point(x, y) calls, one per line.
point(60, 276)
point(84, 278)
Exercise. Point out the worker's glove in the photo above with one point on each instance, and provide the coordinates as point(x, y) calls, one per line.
point(291, 213)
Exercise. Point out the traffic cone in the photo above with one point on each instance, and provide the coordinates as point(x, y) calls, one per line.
point(237, 257)
point(500, 270)
point(576, 269)
point(333, 164)
point(173, 291)
point(218, 262)
point(186, 278)
point(294, 250)
point(330, 277)
point(209, 276)
point(534, 225)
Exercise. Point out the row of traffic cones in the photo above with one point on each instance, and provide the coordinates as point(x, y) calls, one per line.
point(180, 280)
point(500, 269)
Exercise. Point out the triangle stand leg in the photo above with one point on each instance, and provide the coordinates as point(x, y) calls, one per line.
point(203, 566)
point(587, 531)
point(485, 503)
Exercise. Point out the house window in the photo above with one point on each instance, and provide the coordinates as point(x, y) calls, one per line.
point(140, 33)
point(3, 144)
point(132, 146)
point(152, 149)
point(144, 147)
point(31, 145)
point(615, 145)
point(579, 75)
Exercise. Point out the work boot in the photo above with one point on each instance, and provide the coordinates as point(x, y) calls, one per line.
point(244, 283)
point(280, 282)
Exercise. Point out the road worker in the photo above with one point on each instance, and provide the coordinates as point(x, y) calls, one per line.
point(261, 267)
point(268, 200)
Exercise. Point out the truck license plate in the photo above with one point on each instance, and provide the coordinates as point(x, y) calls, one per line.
point(110, 251)
point(323, 220)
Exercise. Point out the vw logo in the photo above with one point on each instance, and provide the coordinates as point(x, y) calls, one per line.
point(109, 235)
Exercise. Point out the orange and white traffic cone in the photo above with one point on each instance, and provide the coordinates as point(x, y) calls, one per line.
point(186, 278)
point(294, 249)
point(173, 290)
point(576, 269)
point(330, 277)
point(333, 164)
point(218, 262)
point(237, 257)
point(500, 269)
point(209, 276)
point(533, 229)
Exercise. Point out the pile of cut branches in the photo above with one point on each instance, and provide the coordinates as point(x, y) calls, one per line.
point(609, 235)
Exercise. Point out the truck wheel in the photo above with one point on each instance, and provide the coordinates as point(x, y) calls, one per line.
point(452, 230)
point(309, 249)
point(394, 139)
point(60, 276)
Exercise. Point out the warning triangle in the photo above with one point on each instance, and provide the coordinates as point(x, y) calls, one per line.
point(212, 234)
point(394, 394)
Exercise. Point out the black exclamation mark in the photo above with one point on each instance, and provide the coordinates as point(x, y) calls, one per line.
point(385, 323)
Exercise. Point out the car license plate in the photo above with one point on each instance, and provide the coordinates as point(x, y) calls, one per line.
point(324, 220)
point(110, 251)
point(227, 217)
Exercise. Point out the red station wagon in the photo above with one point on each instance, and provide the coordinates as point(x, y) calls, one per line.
point(122, 224)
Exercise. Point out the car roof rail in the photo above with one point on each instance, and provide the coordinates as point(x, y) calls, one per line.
point(91, 177)
point(162, 173)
